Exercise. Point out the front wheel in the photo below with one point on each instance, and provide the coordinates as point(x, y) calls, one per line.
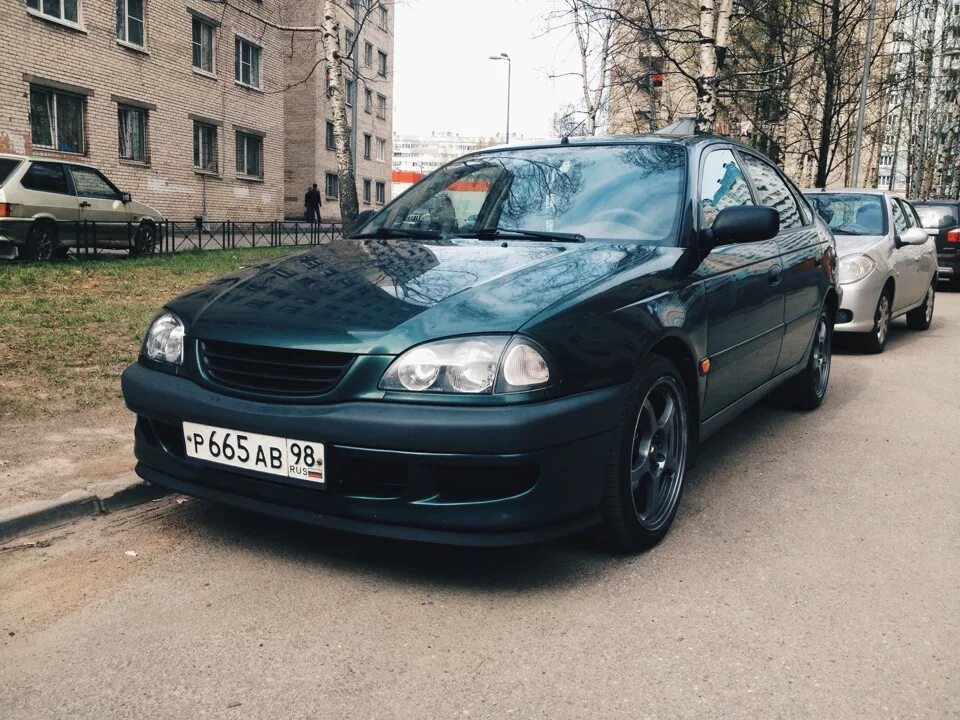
point(920, 318)
point(644, 479)
point(876, 340)
point(145, 241)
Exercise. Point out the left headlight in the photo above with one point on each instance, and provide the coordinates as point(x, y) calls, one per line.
point(164, 341)
point(470, 366)
point(855, 268)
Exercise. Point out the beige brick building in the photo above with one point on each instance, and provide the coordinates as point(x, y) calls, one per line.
point(182, 103)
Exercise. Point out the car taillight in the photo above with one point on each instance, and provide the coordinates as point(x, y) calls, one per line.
point(952, 237)
point(4, 209)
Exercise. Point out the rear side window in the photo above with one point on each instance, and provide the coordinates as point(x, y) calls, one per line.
point(46, 177)
point(7, 166)
point(723, 185)
point(935, 216)
point(90, 183)
point(773, 192)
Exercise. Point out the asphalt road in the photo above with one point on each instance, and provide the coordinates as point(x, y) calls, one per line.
point(812, 573)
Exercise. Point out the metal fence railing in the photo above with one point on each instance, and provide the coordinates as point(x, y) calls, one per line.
point(91, 238)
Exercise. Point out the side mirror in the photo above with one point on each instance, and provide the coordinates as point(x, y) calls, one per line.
point(125, 197)
point(364, 216)
point(913, 236)
point(745, 224)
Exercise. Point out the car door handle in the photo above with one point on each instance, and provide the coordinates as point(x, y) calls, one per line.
point(776, 272)
point(84, 204)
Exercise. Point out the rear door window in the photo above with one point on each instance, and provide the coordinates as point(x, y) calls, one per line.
point(46, 177)
point(7, 166)
point(773, 192)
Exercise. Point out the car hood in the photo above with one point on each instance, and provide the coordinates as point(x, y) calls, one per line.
point(856, 244)
point(142, 210)
point(383, 296)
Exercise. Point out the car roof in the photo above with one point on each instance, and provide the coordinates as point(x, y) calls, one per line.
point(935, 202)
point(39, 158)
point(853, 191)
point(595, 140)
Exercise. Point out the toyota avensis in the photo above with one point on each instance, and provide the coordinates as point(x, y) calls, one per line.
point(530, 341)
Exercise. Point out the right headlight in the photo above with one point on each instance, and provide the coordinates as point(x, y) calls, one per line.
point(477, 365)
point(164, 340)
point(855, 268)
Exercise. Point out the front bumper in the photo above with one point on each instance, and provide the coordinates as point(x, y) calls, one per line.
point(858, 304)
point(439, 473)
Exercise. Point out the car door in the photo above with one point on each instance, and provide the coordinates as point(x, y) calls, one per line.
point(801, 254)
point(100, 204)
point(906, 261)
point(744, 292)
point(925, 261)
point(46, 192)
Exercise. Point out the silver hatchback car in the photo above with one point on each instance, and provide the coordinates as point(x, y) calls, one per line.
point(887, 262)
point(48, 205)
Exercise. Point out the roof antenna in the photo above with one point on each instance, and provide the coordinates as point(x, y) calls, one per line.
point(565, 140)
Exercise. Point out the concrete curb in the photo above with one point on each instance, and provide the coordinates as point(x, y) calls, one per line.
point(101, 498)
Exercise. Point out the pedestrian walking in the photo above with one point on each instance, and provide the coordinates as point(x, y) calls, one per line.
point(311, 201)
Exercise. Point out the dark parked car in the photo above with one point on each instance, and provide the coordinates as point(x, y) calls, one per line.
point(941, 219)
point(554, 367)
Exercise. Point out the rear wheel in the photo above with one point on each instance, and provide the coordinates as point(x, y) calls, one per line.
point(645, 475)
point(41, 242)
point(876, 340)
point(921, 317)
point(808, 389)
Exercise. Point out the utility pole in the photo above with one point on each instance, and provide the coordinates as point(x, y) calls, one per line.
point(861, 112)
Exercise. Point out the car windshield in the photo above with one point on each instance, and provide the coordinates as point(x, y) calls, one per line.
point(6, 167)
point(595, 192)
point(851, 213)
point(937, 216)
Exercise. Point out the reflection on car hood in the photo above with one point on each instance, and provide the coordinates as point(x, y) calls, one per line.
point(856, 244)
point(382, 296)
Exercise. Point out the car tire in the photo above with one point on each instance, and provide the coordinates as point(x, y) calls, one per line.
point(876, 340)
point(645, 473)
point(145, 241)
point(807, 390)
point(42, 242)
point(920, 318)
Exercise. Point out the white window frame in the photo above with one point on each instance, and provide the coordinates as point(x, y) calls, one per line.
point(368, 53)
point(368, 101)
point(381, 150)
point(367, 146)
point(381, 193)
point(52, 110)
point(245, 136)
point(121, 108)
point(326, 186)
point(381, 106)
point(349, 92)
point(382, 63)
point(125, 38)
point(38, 11)
point(238, 44)
point(367, 191)
point(212, 72)
point(198, 137)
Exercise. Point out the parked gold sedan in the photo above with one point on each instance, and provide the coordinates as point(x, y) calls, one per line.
point(49, 205)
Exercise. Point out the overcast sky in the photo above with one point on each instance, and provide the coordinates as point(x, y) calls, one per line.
point(444, 81)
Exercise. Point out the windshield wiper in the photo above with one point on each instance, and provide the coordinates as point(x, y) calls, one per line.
point(516, 234)
point(384, 232)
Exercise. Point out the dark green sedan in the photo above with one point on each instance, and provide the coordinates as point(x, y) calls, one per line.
point(529, 342)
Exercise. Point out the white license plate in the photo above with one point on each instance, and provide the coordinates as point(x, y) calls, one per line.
point(264, 453)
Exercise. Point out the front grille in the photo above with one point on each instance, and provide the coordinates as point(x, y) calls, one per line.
point(271, 370)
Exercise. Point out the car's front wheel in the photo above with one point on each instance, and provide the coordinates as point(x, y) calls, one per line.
point(645, 475)
point(876, 340)
point(145, 241)
point(921, 317)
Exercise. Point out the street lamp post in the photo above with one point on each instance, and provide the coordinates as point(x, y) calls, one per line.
point(504, 56)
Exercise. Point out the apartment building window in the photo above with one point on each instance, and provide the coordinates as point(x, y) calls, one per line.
point(381, 150)
point(381, 63)
point(66, 10)
point(368, 100)
point(368, 54)
point(249, 154)
point(348, 42)
point(130, 22)
point(331, 186)
point(56, 120)
point(366, 191)
point(205, 147)
point(382, 20)
point(203, 46)
point(381, 106)
point(381, 193)
point(367, 143)
point(351, 93)
point(248, 63)
point(132, 133)
point(331, 141)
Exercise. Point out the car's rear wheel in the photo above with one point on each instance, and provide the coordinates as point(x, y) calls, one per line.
point(808, 389)
point(644, 479)
point(42, 242)
point(145, 241)
point(921, 317)
point(876, 340)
